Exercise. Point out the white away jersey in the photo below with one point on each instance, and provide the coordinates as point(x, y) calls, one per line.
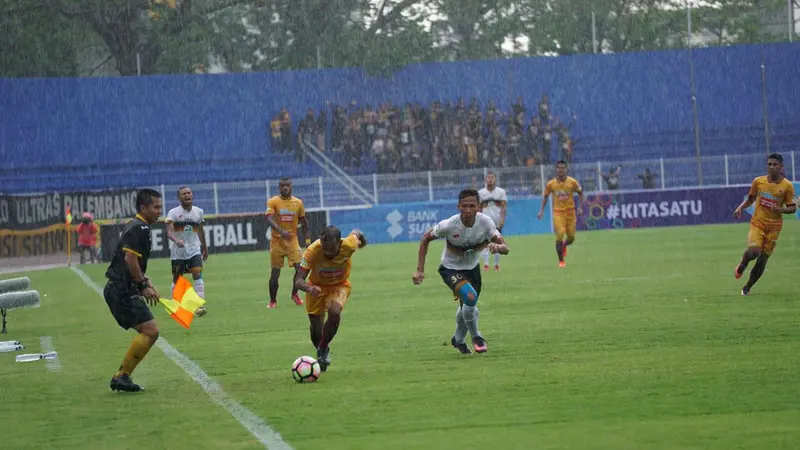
point(493, 197)
point(186, 224)
point(464, 245)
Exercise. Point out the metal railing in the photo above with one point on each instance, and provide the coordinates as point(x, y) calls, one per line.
point(331, 193)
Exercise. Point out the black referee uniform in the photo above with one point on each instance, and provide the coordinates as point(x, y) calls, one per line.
point(122, 295)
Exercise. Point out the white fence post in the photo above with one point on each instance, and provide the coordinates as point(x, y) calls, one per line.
point(541, 175)
point(216, 199)
point(321, 193)
point(375, 187)
point(164, 193)
point(727, 175)
point(430, 186)
point(599, 176)
point(267, 183)
point(663, 176)
point(791, 155)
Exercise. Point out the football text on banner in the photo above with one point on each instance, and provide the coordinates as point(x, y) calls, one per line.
point(223, 235)
point(407, 222)
point(656, 208)
point(31, 212)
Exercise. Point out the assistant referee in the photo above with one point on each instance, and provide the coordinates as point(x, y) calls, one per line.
point(128, 291)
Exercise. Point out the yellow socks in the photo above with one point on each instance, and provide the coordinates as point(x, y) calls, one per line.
point(136, 352)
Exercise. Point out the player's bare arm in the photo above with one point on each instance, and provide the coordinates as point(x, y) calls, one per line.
point(745, 204)
point(171, 235)
point(544, 203)
point(789, 209)
point(424, 243)
point(498, 245)
point(503, 211)
point(304, 223)
point(302, 285)
point(144, 285)
point(581, 200)
point(202, 235)
point(275, 228)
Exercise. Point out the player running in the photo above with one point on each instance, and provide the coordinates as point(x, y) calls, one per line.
point(328, 261)
point(563, 189)
point(774, 195)
point(187, 247)
point(466, 234)
point(493, 204)
point(128, 291)
point(284, 243)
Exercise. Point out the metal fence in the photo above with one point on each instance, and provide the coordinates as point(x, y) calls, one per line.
point(330, 193)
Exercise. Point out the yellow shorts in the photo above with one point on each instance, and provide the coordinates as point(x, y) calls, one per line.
point(564, 225)
point(277, 253)
point(763, 239)
point(317, 305)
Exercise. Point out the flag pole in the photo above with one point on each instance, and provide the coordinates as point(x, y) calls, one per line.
point(68, 220)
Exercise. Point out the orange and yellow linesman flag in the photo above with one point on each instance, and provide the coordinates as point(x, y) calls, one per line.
point(184, 303)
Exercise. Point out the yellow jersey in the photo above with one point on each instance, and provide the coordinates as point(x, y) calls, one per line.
point(286, 212)
point(329, 272)
point(767, 196)
point(563, 192)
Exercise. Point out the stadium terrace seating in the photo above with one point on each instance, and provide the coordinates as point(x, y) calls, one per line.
point(93, 133)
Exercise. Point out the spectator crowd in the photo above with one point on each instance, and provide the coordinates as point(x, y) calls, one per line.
point(439, 136)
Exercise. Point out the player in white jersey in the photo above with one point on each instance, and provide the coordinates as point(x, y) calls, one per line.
point(466, 235)
point(187, 246)
point(493, 204)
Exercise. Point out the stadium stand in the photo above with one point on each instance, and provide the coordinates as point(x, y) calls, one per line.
point(633, 109)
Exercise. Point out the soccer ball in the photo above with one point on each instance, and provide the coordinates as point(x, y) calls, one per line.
point(305, 369)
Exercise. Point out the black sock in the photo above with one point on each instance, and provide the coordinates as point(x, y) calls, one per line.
point(757, 271)
point(329, 330)
point(560, 250)
point(273, 289)
point(749, 255)
point(316, 335)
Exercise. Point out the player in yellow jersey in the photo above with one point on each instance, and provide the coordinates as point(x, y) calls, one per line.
point(328, 262)
point(563, 189)
point(284, 212)
point(774, 196)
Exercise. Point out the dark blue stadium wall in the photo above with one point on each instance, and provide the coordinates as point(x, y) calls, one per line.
point(627, 104)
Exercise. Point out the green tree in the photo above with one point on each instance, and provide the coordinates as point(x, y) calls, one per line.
point(139, 32)
point(36, 42)
point(476, 29)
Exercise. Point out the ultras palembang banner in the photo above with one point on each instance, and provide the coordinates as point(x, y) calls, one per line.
point(32, 212)
point(663, 208)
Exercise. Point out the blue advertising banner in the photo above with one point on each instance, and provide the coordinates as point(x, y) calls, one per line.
point(796, 187)
point(663, 208)
point(407, 222)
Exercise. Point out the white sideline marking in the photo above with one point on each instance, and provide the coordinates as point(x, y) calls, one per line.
point(254, 424)
point(612, 280)
point(47, 346)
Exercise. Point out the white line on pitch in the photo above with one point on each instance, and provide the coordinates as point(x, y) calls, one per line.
point(254, 424)
point(612, 280)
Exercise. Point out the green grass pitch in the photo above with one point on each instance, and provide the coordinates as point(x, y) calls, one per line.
point(642, 342)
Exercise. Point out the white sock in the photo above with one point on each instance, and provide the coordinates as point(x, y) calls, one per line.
point(200, 288)
point(497, 259)
point(461, 327)
point(486, 256)
point(172, 290)
point(470, 314)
